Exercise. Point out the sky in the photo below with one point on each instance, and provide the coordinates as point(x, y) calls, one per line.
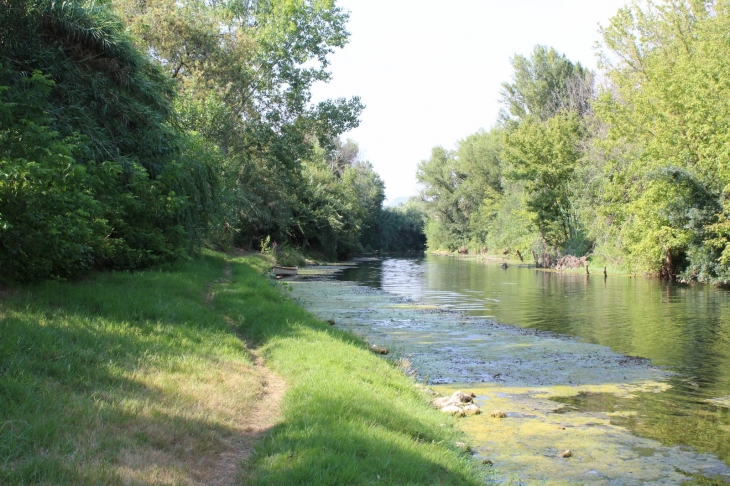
point(430, 72)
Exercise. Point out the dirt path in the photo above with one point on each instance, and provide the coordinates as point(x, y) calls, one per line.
point(224, 468)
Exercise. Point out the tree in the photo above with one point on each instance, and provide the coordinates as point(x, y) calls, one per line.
point(667, 111)
point(545, 84)
point(543, 155)
point(112, 108)
point(244, 71)
point(441, 179)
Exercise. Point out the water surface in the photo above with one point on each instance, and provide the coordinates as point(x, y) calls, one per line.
point(682, 328)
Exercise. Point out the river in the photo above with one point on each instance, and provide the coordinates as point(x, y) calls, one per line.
point(572, 334)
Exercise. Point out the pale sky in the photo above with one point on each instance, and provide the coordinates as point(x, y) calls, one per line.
point(430, 72)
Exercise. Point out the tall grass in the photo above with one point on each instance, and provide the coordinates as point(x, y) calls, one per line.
point(126, 378)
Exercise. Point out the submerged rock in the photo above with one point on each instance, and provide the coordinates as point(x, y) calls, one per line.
point(378, 350)
point(459, 403)
point(498, 414)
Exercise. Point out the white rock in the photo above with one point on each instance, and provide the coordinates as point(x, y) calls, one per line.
point(472, 409)
point(453, 410)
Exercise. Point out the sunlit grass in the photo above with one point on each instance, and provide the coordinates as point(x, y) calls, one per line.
point(144, 379)
point(349, 417)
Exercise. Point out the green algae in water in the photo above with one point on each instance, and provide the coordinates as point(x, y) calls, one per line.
point(522, 372)
point(704, 426)
point(525, 445)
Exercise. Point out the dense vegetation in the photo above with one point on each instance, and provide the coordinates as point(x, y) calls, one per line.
point(632, 171)
point(133, 133)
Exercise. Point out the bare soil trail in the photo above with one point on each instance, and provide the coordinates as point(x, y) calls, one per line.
point(225, 468)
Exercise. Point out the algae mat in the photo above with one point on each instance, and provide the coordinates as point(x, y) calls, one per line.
point(519, 371)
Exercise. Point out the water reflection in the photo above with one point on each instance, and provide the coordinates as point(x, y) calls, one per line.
point(685, 328)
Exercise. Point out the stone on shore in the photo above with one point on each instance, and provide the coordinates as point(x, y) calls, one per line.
point(472, 409)
point(457, 398)
point(453, 410)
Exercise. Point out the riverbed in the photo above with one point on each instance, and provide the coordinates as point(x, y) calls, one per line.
point(630, 374)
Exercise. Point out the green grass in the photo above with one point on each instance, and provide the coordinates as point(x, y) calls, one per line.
point(138, 378)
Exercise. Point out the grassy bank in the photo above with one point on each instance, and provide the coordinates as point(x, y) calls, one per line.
point(152, 378)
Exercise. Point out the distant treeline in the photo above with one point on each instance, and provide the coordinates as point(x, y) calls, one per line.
point(632, 168)
point(133, 133)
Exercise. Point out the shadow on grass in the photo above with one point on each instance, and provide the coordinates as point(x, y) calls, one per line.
point(98, 378)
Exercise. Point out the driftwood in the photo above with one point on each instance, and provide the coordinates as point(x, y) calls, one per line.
point(570, 261)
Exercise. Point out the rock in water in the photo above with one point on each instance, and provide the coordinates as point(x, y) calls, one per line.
point(498, 414)
point(461, 397)
point(378, 350)
point(565, 454)
point(472, 409)
point(453, 410)
point(457, 398)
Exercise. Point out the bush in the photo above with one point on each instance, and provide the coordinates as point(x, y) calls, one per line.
point(50, 223)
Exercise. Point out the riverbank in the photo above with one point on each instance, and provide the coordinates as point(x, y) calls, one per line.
point(204, 373)
point(598, 265)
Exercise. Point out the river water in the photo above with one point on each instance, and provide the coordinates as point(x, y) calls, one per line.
point(631, 374)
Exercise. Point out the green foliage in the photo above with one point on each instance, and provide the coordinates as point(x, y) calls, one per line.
point(401, 229)
point(544, 156)
point(512, 188)
point(667, 119)
point(289, 257)
point(50, 224)
point(636, 175)
point(198, 130)
point(462, 189)
point(545, 84)
point(137, 191)
point(244, 73)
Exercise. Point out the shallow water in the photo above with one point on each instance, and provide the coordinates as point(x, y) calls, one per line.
point(660, 420)
point(685, 328)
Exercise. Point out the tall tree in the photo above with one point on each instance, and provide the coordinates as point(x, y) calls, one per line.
point(667, 113)
point(244, 71)
point(544, 155)
point(545, 84)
